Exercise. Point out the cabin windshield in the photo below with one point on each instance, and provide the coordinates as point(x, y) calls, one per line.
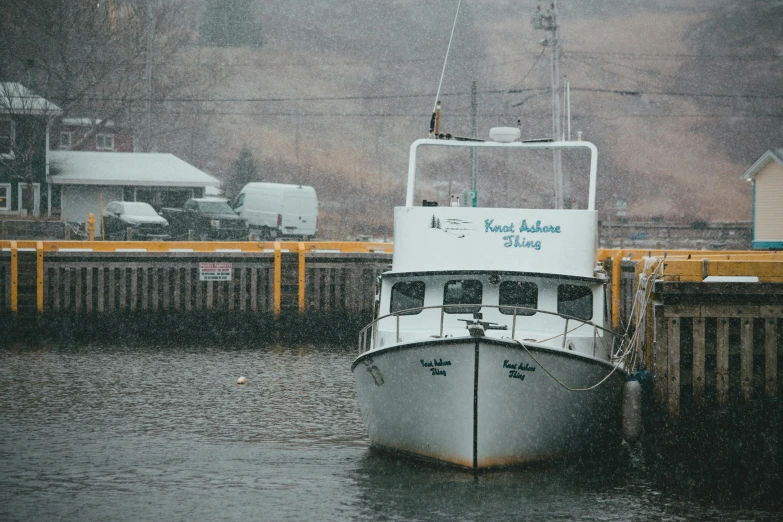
point(463, 291)
point(575, 300)
point(504, 178)
point(518, 293)
point(406, 295)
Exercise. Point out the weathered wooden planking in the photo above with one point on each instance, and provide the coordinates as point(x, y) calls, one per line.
point(722, 362)
point(155, 296)
point(242, 289)
point(88, 289)
point(77, 290)
point(123, 289)
point(189, 289)
point(660, 355)
point(673, 366)
point(56, 292)
point(746, 358)
point(67, 289)
point(165, 287)
point(145, 289)
point(698, 361)
point(110, 283)
point(101, 293)
point(134, 287)
point(770, 357)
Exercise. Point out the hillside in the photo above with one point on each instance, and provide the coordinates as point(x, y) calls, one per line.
point(341, 88)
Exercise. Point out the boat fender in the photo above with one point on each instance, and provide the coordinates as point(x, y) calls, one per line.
point(241, 380)
point(632, 410)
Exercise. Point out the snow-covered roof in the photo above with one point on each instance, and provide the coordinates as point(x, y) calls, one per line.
point(15, 98)
point(125, 168)
point(770, 155)
point(213, 191)
point(85, 122)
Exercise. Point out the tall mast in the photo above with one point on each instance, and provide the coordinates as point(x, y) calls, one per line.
point(547, 21)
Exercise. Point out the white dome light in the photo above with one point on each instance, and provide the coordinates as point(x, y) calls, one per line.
point(504, 134)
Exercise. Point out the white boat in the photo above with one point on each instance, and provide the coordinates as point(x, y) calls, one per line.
point(489, 347)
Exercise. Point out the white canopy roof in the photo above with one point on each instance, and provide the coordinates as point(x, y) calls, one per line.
point(15, 98)
point(125, 168)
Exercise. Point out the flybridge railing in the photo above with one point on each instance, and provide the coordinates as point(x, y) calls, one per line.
point(551, 145)
point(368, 336)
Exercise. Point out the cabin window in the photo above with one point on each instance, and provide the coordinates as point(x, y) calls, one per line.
point(518, 293)
point(466, 291)
point(406, 295)
point(576, 301)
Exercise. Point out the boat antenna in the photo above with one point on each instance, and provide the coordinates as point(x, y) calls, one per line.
point(443, 71)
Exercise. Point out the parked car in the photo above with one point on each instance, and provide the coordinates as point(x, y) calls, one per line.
point(207, 218)
point(141, 218)
point(278, 210)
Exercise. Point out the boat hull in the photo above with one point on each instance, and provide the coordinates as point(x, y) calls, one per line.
point(484, 403)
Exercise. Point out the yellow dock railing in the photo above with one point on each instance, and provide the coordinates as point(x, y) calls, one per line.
point(680, 265)
point(277, 248)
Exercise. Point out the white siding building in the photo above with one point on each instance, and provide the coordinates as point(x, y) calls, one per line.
point(767, 177)
point(163, 180)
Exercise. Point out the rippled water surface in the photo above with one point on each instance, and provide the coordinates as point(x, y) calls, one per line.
point(164, 433)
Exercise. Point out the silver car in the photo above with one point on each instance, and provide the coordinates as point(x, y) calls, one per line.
point(139, 217)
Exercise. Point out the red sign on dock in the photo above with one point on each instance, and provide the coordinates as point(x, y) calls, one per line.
point(214, 271)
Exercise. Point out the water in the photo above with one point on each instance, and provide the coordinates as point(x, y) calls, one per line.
point(164, 433)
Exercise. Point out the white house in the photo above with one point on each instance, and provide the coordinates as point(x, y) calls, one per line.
point(766, 174)
point(86, 178)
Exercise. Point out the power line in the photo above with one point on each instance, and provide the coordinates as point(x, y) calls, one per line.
point(426, 95)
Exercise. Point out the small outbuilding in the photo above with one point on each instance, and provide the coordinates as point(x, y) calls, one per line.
point(766, 174)
point(86, 178)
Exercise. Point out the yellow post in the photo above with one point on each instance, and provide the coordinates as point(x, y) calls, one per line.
point(14, 277)
point(277, 280)
point(301, 277)
point(617, 268)
point(39, 277)
point(91, 227)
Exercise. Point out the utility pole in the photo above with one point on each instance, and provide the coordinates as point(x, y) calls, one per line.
point(547, 21)
point(149, 76)
point(474, 134)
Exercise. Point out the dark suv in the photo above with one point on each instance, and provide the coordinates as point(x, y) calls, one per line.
point(207, 218)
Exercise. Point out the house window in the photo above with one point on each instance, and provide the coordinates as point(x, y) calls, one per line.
point(104, 141)
point(406, 295)
point(7, 138)
point(65, 140)
point(518, 293)
point(465, 291)
point(576, 301)
point(5, 196)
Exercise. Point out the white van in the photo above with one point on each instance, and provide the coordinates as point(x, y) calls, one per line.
point(274, 210)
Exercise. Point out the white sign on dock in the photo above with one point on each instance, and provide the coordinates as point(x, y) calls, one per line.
point(214, 271)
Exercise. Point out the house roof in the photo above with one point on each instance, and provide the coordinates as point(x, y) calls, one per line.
point(770, 155)
point(15, 98)
point(125, 168)
point(85, 122)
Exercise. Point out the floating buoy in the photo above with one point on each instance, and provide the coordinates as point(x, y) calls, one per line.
point(241, 380)
point(632, 410)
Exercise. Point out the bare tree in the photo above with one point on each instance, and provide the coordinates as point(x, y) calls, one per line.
point(23, 131)
point(112, 61)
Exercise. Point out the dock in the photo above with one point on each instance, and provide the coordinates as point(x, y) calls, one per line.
point(710, 321)
point(93, 281)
